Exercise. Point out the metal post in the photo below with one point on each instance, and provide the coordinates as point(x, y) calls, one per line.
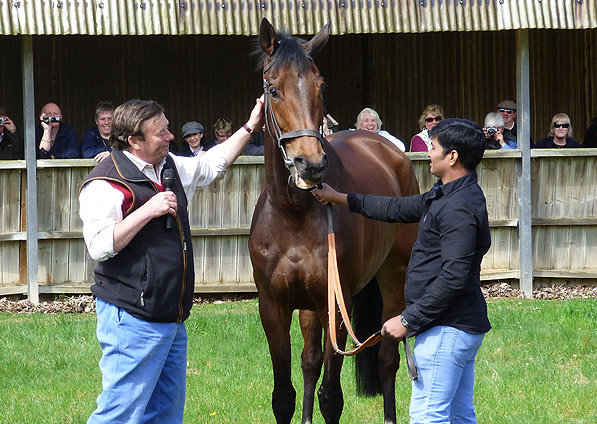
point(31, 163)
point(523, 100)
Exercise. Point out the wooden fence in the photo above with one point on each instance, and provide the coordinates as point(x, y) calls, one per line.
point(564, 208)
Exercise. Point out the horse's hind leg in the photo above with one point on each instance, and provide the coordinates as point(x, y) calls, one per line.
point(311, 360)
point(276, 323)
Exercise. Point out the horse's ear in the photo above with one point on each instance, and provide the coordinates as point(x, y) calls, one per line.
point(267, 36)
point(317, 42)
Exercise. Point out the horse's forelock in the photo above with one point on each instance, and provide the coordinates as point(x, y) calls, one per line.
point(288, 53)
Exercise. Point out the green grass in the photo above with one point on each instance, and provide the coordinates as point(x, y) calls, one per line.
point(537, 365)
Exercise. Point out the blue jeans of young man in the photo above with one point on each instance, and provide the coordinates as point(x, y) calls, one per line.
point(143, 366)
point(445, 358)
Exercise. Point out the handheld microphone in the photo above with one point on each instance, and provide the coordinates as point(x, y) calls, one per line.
point(168, 180)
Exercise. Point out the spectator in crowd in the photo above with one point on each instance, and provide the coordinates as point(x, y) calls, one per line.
point(256, 146)
point(11, 142)
point(430, 117)
point(494, 133)
point(507, 108)
point(445, 308)
point(192, 132)
point(369, 120)
point(55, 139)
point(95, 143)
point(329, 125)
point(560, 134)
point(590, 139)
point(131, 222)
point(223, 129)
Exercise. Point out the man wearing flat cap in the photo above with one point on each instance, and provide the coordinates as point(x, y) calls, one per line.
point(507, 108)
point(192, 132)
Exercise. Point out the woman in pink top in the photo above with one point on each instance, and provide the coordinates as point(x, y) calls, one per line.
point(430, 117)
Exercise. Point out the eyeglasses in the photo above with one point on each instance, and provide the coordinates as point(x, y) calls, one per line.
point(559, 124)
point(436, 119)
point(506, 110)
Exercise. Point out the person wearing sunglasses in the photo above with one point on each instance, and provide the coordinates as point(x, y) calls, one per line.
point(430, 117)
point(493, 127)
point(369, 120)
point(560, 134)
point(507, 108)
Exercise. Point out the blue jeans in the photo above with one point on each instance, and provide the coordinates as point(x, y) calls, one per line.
point(445, 358)
point(143, 366)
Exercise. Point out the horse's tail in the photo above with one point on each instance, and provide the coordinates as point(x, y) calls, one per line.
point(366, 320)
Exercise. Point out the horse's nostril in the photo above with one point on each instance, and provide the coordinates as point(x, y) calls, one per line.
point(300, 162)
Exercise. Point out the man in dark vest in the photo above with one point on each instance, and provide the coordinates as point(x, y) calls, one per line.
point(135, 223)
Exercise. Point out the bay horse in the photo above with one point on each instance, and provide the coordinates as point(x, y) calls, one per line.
point(288, 238)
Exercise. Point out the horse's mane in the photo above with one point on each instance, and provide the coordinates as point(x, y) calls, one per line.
point(289, 52)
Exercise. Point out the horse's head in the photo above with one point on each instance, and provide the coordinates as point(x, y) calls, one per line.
point(293, 91)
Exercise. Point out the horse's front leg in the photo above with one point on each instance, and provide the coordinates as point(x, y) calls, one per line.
point(311, 360)
point(276, 323)
point(331, 399)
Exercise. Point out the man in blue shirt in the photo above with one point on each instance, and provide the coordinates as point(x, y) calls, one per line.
point(445, 307)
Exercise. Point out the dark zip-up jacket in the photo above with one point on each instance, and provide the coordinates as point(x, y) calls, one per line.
point(443, 276)
point(153, 276)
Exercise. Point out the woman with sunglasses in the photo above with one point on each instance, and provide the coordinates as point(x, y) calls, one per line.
point(560, 134)
point(430, 117)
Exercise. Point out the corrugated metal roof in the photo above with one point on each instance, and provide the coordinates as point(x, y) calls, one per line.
point(242, 17)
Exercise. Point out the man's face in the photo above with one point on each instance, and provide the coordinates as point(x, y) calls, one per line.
point(440, 162)
point(194, 140)
point(103, 121)
point(509, 116)
point(156, 145)
point(52, 109)
point(222, 135)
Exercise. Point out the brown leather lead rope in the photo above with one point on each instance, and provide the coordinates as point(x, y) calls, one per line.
point(335, 296)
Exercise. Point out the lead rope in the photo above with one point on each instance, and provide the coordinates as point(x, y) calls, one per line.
point(335, 296)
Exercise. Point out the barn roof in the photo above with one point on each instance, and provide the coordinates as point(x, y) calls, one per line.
point(242, 17)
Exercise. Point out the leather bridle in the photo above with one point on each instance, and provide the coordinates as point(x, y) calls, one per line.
point(274, 130)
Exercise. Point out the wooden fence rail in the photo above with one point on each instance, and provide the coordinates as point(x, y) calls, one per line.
point(564, 217)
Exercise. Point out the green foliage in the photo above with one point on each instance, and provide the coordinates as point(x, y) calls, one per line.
point(537, 365)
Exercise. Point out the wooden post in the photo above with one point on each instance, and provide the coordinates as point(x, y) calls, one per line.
point(523, 100)
point(31, 163)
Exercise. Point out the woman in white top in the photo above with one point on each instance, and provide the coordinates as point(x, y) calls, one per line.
point(369, 120)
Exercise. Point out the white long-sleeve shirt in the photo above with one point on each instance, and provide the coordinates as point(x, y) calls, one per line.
point(100, 204)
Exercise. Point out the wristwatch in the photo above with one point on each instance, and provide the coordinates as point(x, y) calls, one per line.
point(404, 321)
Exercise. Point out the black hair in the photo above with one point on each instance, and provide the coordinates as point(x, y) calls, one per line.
point(464, 136)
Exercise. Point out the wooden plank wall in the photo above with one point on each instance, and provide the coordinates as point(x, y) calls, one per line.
point(564, 205)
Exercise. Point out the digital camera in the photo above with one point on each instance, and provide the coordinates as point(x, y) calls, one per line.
point(491, 131)
point(48, 119)
point(2, 120)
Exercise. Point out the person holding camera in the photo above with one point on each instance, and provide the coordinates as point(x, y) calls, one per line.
point(54, 139)
point(494, 133)
point(11, 142)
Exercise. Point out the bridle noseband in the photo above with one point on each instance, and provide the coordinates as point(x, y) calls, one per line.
point(275, 131)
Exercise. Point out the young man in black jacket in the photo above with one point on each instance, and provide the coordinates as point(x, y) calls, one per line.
point(445, 307)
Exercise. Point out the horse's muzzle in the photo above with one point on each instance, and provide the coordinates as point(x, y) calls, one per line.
point(309, 172)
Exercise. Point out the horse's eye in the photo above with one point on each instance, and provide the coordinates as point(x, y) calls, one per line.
point(273, 92)
point(323, 86)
